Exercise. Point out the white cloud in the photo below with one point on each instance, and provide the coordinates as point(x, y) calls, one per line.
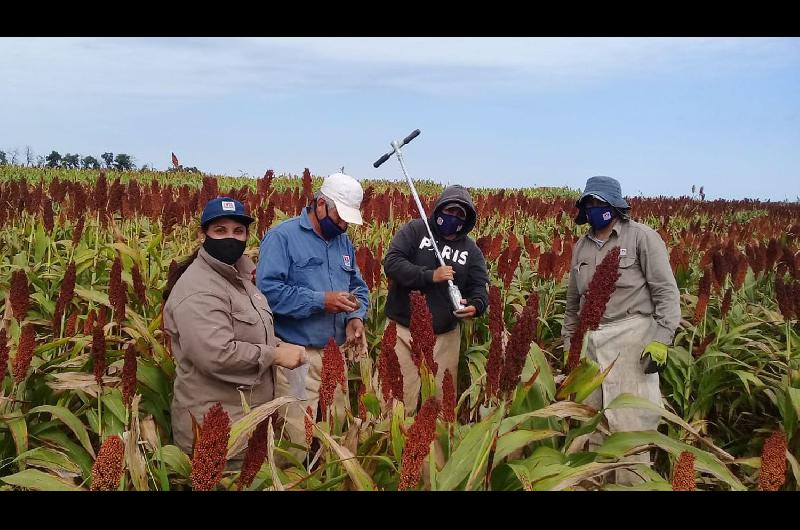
point(211, 67)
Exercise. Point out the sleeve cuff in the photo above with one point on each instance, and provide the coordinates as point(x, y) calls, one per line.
point(427, 276)
point(266, 359)
point(319, 300)
point(479, 306)
point(664, 335)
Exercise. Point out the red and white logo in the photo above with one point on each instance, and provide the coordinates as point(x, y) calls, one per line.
point(228, 206)
point(346, 260)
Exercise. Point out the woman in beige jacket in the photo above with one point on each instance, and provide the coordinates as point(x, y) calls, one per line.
point(220, 325)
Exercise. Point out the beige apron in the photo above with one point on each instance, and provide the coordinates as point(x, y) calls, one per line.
point(625, 339)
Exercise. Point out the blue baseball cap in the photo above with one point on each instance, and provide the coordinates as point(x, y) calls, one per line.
point(224, 207)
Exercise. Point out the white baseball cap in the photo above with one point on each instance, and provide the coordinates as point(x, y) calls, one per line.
point(346, 194)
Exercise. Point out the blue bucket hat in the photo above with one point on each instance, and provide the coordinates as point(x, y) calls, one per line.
point(606, 189)
point(224, 207)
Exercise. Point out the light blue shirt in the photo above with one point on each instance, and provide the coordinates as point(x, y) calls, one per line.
point(295, 268)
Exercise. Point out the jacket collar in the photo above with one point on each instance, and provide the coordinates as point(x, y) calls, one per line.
point(617, 230)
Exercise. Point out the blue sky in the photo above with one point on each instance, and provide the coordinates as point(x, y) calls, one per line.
point(659, 114)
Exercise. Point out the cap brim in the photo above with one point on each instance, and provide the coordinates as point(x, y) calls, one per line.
point(349, 214)
point(621, 203)
point(244, 219)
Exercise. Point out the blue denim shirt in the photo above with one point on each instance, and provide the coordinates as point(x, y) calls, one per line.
point(295, 268)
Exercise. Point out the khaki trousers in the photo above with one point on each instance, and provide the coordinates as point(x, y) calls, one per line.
point(445, 354)
point(626, 339)
point(294, 413)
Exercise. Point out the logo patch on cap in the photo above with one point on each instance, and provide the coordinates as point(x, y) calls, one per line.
point(228, 206)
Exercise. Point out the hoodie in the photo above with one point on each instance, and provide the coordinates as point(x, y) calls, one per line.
point(411, 260)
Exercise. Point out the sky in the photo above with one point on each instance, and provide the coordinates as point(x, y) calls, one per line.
point(659, 114)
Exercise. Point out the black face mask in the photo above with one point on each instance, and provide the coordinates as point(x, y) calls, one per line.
point(227, 250)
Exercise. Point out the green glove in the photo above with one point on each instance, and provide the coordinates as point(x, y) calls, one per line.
point(654, 357)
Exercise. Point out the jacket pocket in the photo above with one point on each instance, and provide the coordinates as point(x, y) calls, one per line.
point(630, 272)
point(247, 327)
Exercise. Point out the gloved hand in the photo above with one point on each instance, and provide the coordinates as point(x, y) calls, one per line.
point(654, 357)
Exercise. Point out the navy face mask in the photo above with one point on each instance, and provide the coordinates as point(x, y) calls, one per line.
point(449, 224)
point(328, 227)
point(599, 217)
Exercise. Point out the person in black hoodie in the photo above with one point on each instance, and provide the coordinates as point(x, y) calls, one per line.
point(411, 264)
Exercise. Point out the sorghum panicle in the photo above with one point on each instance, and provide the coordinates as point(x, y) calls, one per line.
point(107, 468)
point(389, 374)
point(27, 344)
point(20, 295)
point(773, 463)
point(255, 455)
point(601, 287)
point(683, 474)
point(418, 441)
point(211, 449)
point(333, 375)
point(423, 340)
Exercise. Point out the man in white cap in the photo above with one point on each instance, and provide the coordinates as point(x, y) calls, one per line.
point(307, 270)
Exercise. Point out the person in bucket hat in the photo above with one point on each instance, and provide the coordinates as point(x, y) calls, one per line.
point(307, 270)
point(641, 317)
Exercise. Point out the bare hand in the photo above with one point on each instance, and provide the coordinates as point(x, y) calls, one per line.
point(340, 302)
point(468, 312)
point(356, 344)
point(290, 355)
point(443, 273)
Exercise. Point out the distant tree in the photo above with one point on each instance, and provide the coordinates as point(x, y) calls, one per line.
point(53, 159)
point(14, 156)
point(123, 162)
point(3, 160)
point(29, 156)
point(71, 161)
point(90, 162)
point(40, 160)
point(108, 158)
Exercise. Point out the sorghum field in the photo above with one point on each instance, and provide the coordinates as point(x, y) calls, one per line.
point(86, 371)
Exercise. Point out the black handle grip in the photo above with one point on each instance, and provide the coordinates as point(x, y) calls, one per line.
point(411, 136)
point(381, 160)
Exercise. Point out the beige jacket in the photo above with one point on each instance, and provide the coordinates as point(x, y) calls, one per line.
point(646, 285)
point(223, 342)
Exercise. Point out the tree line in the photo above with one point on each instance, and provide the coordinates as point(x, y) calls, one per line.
point(120, 161)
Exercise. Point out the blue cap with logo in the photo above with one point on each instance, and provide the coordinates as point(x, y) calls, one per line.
point(224, 207)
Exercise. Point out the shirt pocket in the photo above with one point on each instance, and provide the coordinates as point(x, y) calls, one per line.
point(248, 327)
point(307, 272)
point(343, 277)
point(630, 272)
point(583, 275)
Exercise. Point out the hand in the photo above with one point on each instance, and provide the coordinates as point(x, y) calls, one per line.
point(290, 355)
point(654, 357)
point(442, 274)
point(340, 302)
point(356, 343)
point(467, 312)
